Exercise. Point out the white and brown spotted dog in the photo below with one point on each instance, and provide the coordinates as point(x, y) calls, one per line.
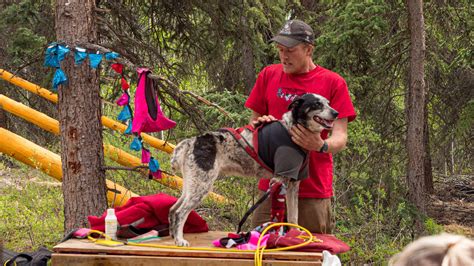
point(203, 159)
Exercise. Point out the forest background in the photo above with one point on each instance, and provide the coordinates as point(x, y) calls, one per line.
point(215, 49)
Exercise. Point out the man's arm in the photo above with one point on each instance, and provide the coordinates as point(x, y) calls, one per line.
point(254, 116)
point(313, 141)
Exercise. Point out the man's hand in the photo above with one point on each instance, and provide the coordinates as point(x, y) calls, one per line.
point(313, 142)
point(263, 119)
point(306, 139)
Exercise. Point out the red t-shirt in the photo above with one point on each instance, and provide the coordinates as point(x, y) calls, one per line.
point(274, 90)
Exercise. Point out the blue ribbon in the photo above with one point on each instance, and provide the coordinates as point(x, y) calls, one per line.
point(79, 55)
point(59, 78)
point(128, 131)
point(56, 53)
point(111, 55)
point(94, 60)
point(136, 144)
point(154, 165)
point(125, 114)
point(62, 52)
point(51, 56)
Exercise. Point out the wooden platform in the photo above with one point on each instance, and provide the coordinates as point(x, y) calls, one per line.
point(84, 252)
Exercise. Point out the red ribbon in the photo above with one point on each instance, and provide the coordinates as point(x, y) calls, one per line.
point(117, 67)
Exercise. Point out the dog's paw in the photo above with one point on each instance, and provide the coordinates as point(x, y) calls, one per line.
point(181, 243)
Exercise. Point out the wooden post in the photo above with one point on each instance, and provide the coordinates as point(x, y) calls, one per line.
point(48, 162)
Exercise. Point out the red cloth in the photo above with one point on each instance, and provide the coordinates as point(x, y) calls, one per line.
point(278, 204)
point(117, 67)
point(273, 92)
point(330, 242)
point(154, 209)
point(124, 84)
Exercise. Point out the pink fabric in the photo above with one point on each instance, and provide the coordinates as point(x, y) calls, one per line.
point(81, 233)
point(157, 174)
point(217, 243)
point(123, 100)
point(145, 156)
point(252, 244)
point(143, 121)
point(154, 209)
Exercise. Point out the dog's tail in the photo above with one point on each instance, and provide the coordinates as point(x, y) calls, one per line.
point(179, 154)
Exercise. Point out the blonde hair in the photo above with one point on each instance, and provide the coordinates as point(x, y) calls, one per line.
point(444, 249)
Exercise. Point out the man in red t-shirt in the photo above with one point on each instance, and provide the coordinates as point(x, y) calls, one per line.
point(275, 88)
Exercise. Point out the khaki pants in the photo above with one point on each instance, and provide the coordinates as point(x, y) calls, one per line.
point(313, 214)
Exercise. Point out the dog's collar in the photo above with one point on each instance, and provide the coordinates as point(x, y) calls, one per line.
point(251, 150)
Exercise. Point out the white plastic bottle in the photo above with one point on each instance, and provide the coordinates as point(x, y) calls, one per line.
point(111, 224)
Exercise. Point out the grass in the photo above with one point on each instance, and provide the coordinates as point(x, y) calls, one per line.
point(31, 209)
point(31, 204)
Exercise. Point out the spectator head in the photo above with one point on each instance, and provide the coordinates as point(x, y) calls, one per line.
point(444, 250)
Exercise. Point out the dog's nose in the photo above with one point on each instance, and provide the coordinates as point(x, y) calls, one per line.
point(334, 113)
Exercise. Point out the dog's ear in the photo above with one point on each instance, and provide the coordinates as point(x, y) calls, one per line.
point(297, 101)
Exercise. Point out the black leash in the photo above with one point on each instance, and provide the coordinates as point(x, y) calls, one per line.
point(260, 201)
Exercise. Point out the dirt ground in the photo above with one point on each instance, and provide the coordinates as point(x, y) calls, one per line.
point(452, 205)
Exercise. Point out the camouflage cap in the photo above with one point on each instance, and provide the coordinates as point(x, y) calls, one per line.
point(294, 32)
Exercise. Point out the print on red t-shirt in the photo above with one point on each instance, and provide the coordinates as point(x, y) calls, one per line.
point(274, 90)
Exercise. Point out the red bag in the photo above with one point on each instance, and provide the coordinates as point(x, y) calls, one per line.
point(330, 242)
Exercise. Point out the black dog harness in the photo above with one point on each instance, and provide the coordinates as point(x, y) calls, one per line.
point(271, 136)
point(273, 149)
point(252, 151)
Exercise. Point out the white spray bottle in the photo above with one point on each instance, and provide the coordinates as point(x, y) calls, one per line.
point(111, 224)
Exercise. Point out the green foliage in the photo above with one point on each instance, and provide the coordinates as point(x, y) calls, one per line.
point(21, 32)
point(25, 44)
point(466, 120)
point(345, 42)
point(373, 231)
point(237, 114)
point(432, 227)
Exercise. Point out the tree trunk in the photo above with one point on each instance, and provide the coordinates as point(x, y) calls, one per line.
point(79, 116)
point(247, 61)
point(426, 137)
point(416, 108)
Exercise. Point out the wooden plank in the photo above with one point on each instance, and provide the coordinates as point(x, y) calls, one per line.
point(122, 260)
point(196, 240)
